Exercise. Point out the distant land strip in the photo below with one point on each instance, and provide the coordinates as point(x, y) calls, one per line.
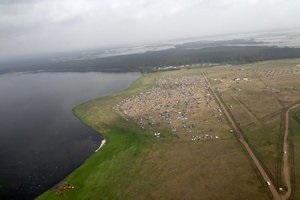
point(154, 60)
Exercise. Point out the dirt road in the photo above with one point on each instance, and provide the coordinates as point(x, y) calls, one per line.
point(285, 159)
point(242, 140)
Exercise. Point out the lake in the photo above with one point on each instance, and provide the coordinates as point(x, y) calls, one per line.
point(41, 142)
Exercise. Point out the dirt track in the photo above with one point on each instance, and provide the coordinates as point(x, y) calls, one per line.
point(254, 118)
point(242, 140)
point(285, 160)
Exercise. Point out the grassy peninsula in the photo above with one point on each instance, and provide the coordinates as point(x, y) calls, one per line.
point(133, 164)
point(202, 159)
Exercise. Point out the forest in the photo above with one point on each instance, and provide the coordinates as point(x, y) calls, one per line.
point(224, 52)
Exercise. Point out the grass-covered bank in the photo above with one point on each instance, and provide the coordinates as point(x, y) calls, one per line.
point(113, 166)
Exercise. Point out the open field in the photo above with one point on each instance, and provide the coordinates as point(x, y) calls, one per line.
point(194, 156)
point(135, 164)
point(258, 95)
point(295, 137)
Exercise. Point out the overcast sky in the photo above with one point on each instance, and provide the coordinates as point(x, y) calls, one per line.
point(39, 26)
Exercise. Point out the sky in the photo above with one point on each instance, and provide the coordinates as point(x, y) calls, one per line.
point(42, 26)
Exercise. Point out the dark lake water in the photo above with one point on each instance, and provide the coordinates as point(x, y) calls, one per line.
point(41, 141)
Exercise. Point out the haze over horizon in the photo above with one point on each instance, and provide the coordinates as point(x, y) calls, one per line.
point(35, 27)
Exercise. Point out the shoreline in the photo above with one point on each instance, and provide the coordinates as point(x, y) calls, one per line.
point(111, 126)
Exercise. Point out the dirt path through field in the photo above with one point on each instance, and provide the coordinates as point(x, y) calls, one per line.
point(254, 118)
point(285, 160)
point(242, 140)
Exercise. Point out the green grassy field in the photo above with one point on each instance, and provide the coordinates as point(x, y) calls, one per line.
point(295, 141)
point(259, 105)
point(135, 165)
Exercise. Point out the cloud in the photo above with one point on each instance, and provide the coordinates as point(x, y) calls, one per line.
point(33, 26)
